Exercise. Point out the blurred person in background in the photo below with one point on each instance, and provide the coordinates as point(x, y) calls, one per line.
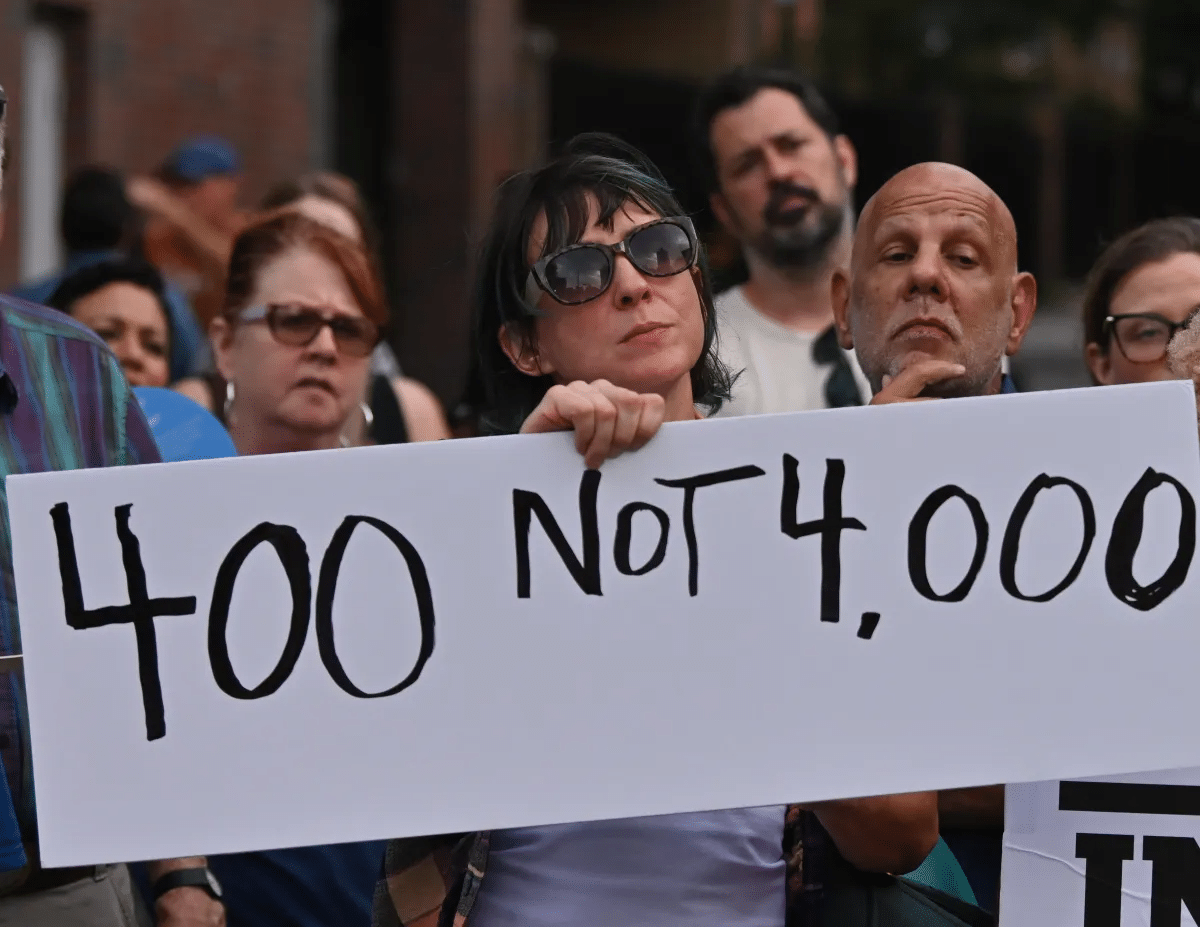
point(64, 405)
point(780, 177)
point(575, 335)
point(303, 311)
point(395, 409)
point(123, 302)
point(99, 223)
point(192, 205)
point(1141, 292)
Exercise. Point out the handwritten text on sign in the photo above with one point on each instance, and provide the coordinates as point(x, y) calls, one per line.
point(651, 624)
point(1104, 852)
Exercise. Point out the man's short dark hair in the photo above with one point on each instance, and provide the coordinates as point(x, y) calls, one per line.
point(734, 88)
point(96, 214)
point(93, 277)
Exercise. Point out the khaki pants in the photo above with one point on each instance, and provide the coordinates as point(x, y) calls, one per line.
point(105, 900)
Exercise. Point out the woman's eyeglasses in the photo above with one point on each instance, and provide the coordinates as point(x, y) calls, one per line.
point(582, 272)
point(298, 327)
point(1142, 337)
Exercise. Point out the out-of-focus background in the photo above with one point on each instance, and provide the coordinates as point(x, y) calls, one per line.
point(1082, 114)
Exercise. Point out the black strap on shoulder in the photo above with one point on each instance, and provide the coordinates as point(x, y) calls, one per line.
point(389, 426)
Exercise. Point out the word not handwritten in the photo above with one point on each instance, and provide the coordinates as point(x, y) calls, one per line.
point(1175, 878)
point(293, 556)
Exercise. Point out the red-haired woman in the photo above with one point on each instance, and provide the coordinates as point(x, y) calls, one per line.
point(295, 257)
point(302, 313)
point(407, 411)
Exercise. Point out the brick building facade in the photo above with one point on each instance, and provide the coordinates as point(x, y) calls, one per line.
point(418, 101)
point(426, 103)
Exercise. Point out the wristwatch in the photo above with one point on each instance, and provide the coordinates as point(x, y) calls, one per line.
point(201, 878)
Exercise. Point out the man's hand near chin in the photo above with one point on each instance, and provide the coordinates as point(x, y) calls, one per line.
point(911, 382)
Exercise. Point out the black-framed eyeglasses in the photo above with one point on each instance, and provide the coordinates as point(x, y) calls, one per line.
point(3, 104)
point(298, 327)
point(581, 272)
point(1143, 337)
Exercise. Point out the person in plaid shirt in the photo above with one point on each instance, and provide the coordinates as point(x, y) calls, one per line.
point(594, 314)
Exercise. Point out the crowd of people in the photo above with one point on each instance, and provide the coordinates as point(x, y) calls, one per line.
point(594, 312)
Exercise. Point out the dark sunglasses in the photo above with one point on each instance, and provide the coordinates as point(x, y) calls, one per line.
point(298, 327)
point(582, 272)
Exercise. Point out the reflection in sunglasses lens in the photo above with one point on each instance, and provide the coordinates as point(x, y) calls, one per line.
point(579, 275)
point(661, 250)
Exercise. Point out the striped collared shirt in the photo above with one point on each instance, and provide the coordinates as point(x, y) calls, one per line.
point(64, 405)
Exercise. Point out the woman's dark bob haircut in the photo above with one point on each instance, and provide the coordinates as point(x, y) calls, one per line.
point(593, 167)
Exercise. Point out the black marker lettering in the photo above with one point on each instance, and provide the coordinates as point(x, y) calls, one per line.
point(1127, 535)
point(140, 612)
point(586, 572)
point(1010, 548)
point(327, 587)
point(1105, 856)
point(830, 526)
point(689, 485)
point(1176, 879)
point(870, 621)
point(918, 542)
point(289, 546)
point(624, 539)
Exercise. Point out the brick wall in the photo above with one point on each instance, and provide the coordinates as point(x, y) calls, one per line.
point(158, 70)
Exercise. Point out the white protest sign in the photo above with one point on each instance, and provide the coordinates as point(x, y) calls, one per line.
point(1104, 852)
point(395, 641)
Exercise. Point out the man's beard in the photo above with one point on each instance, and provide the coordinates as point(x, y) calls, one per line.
point(799, 239)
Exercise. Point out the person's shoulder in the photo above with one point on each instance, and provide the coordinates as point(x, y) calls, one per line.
point(730, 302)
point(423, 413)
point(37, 321)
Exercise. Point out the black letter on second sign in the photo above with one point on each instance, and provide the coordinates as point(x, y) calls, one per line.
point(294, 556)
point(140, 612)
point(1105, 855)
point(327, 587)
point(1176, 879)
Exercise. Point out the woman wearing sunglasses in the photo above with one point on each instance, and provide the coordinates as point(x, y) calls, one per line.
point(1141, 292)
point(594, 314)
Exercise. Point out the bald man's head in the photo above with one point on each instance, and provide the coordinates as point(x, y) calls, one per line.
point(934, 276)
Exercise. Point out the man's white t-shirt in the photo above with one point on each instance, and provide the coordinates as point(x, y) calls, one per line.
point(778, 372)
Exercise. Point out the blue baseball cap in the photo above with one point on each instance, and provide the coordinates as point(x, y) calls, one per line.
point(202, 157)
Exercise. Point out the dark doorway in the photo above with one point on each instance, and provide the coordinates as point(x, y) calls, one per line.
point(362, 107)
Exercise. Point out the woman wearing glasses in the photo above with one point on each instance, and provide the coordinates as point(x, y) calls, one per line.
point(303, 310)
point(1141, 292)
point(594, 314)
point(390, 410)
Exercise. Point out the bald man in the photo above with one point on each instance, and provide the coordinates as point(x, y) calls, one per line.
point(933, 300)
point(932, 304)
